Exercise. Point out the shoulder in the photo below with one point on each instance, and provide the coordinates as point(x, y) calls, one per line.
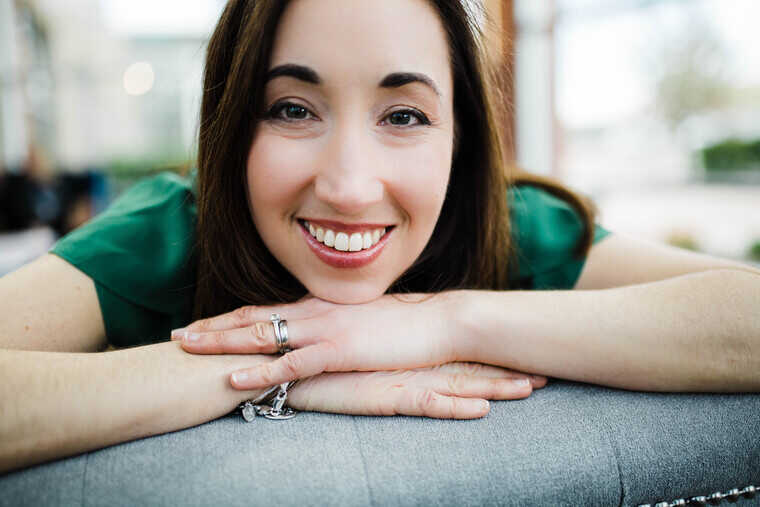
point(545, 233)
point(140, 249)
point(159, 211)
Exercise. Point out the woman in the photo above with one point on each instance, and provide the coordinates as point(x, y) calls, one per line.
point(349, 180)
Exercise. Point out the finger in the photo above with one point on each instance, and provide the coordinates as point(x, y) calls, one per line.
point(429, 403)
point(249, 315)
point(473, 386)
point(485, 370)
point(349, 393)
point(256, 339)
point(300, 363)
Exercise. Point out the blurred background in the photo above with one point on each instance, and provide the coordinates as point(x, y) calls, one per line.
point(650, 107)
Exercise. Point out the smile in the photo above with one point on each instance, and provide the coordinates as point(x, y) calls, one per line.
point(345, 248)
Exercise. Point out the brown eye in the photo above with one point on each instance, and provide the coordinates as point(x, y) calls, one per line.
point(407, 118)
point(288, 111)
point(400, 118)
point(295, 112)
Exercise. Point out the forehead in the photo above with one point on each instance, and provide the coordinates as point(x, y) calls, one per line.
point(363, 40)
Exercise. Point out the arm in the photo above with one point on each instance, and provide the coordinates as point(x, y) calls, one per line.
point(695, 332)
point(669, 321)
point(56, 400)
point(59, 404)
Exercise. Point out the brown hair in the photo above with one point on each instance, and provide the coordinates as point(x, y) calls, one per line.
point(234, 266)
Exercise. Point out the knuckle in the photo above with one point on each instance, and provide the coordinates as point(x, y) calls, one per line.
point(472, 368)
point(258, 335)
point(217, 338)
point(292, 364)
point(456, 383)
point(453, 408)
point(203, 325)
point(267, 375)
point(242, 316)
point(426, 400)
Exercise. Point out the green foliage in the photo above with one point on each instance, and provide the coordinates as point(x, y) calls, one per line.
point(682, 240)
point(732, 154)
point(125, 171)
point(135, 168)
point(754, 251)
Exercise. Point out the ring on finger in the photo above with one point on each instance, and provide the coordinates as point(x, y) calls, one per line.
point(283, 347)
point(280, 333)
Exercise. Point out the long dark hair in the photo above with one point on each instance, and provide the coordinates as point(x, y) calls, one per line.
point(234, 266)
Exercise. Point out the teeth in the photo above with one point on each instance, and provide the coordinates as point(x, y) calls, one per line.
point(329, 238)
point(343, 241)
point(355, 242)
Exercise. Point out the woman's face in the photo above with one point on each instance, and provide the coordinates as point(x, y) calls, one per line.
point(356, 147)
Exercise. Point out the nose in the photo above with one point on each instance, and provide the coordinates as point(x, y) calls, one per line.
point(349, 178)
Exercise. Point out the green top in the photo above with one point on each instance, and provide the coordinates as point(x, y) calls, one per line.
point(140, 254)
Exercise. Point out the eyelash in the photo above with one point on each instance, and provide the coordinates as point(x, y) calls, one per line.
point(276, 109)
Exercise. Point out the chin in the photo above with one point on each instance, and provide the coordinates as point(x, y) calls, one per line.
point(346, 293)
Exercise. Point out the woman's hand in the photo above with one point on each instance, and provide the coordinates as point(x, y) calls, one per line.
point(453, 390)
point(386, 334)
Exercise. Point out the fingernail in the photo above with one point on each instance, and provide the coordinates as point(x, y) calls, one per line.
point(484, 404)
point(239, 377)
point(191, 337)
point(521, 382)
point(178, 333)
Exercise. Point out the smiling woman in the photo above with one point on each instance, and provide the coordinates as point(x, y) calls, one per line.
point(348, 167)
point(365, 121)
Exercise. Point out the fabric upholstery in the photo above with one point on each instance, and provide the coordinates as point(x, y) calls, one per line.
point(568, 444)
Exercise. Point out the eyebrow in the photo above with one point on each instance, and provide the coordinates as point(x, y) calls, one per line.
point(309, 75)
point(397, 79)
point(292, 70)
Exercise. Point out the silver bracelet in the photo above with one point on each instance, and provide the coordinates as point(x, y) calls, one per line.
point(713, 499)
point(270, 404)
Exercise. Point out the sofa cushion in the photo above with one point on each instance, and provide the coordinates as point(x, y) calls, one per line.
point(567, 444)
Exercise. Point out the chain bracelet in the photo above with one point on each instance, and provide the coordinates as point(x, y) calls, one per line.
point(713, 499)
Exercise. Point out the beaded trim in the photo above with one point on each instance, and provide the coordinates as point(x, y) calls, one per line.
point(713, 499)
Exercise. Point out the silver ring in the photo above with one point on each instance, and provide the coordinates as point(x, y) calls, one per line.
point(282, 346)
point(275, 318)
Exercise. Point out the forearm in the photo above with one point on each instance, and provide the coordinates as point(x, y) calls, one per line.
point(697, 332)
point(59, 404)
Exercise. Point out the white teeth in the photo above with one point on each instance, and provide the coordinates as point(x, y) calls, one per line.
point(342, 241)
point(329, 238)
point(355, 242)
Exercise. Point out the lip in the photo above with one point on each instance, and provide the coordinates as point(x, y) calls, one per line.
point(338, 259)
point(341, 227)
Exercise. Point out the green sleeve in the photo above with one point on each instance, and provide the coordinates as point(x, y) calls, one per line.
point(139, 253)
point(545, 231)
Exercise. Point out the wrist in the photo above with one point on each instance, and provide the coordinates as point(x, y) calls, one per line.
point(461, 307)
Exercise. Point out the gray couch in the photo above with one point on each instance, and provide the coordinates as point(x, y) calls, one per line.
point(568, 444)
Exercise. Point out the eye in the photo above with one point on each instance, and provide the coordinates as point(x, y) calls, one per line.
point(288, 111)
point(407, 117)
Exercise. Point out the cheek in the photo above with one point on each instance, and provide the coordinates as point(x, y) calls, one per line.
point(276, 171)
point(419, 182)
